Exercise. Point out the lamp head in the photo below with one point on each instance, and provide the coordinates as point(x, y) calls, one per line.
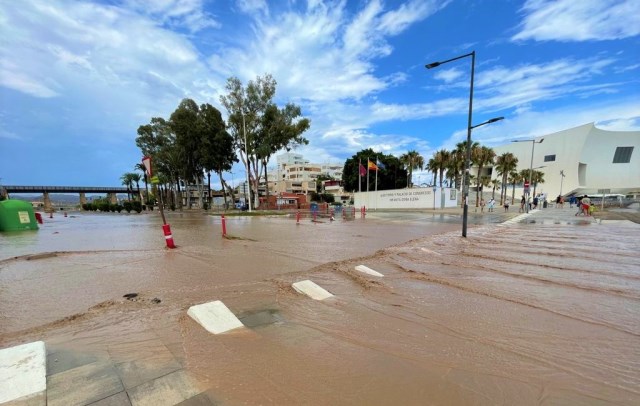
point(493, 120)
point(432, 65)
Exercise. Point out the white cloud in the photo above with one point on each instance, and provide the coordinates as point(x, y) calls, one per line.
point(583, 20)
point(253, 6)
point(449, 75)
point(189, 14)
point(323, 53)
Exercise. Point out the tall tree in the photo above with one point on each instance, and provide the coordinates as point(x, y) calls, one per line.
point(538, 177)
point(514, 178)
point(412, 160)
point(188, 128)
point(127, 180)
point(279, 129)
point(482, 156)
point(393, 176)
point(505, 164)
point(142, 168)
point(246, 106)
point(135, 177)
point(216, 147)
point(439, 164)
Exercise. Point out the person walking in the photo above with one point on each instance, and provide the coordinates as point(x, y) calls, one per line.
point(482, 205)
point(490, 205)
point(506, 205)
point(522, 203)
point(579, 205)
point(586, 204)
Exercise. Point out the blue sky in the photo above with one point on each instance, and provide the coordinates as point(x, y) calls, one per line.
point(77, 78)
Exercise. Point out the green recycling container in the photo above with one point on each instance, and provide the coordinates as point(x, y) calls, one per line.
point(17, 215)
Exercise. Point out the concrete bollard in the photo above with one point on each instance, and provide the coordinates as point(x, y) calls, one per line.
point(166, 228)
point(224, 225)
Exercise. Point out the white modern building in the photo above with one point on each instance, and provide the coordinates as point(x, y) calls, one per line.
point(591, 160)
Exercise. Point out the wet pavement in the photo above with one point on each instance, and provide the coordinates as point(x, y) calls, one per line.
point(539, 308)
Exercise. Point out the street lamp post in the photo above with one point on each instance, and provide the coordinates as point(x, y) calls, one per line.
point(562, 175)
point(467, 165)
point(528, 191)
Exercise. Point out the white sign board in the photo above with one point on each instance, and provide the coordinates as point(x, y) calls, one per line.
point(24, 217)
point(414, 198)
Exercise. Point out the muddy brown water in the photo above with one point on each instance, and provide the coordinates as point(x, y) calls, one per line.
point(539, 312)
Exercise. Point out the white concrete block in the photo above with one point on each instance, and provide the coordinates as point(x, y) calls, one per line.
point(23, 371)
point(368, 271)
point(311, 289)
point(215, 317)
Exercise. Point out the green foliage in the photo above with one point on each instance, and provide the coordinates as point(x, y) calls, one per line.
point(394, 176)
point(172, 207)
point(136, 206)
point(103, 206)
point(412, 160)
point(127, 206)
point(112, 208)
point(119, 208)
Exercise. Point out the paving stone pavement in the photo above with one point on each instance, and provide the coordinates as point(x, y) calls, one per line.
point(122, 376)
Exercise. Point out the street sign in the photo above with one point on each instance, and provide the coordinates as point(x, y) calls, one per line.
point(604, 191)
point(146, 161)
point(526, 184)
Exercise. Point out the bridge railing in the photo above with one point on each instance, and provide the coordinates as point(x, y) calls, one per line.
point(63, 189)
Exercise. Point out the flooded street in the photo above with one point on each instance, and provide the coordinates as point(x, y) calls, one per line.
point(542, 309)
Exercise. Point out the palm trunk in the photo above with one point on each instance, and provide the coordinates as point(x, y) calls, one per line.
point(224, 194)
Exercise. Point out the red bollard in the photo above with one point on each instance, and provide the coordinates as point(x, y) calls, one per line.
point(39, 218)
point(314, 216)
point(364, 211)
point(166, 228)
point(344, 213)
point(224, 226)
point(65, 214)
point(298, 217)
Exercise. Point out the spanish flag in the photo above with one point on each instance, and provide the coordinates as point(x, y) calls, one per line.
point(371, 166)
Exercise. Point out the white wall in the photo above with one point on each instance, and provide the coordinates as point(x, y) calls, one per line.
point(414, 198)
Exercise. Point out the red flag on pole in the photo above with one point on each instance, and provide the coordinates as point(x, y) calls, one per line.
point(363, 170)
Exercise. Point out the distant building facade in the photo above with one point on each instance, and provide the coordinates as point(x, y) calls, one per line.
point(590, 158)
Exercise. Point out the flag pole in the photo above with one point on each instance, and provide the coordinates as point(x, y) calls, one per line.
point(359, 176)
point(367, 181)
point(376, 183)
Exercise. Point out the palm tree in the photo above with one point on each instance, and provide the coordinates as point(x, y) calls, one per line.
point(412, 160)
point(441, 160)
point(537, 177)
point(495, 183)
point(514, 178)
point(127, 180)
point(135, 177)
point(505, 164)
point(142, 168)
point(483, 156)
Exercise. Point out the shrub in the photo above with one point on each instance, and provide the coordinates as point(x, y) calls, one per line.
point(112, 208)
point(137, 206)
point(127, 206)
point(103, 206)
point(172, 207)
point(118, 208)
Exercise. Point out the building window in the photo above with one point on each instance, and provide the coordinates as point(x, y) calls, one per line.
point(549, 158)
point(622, 155)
